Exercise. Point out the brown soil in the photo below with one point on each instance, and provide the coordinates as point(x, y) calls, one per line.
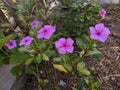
point(107, 68)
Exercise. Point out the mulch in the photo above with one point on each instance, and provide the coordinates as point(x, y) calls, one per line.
point(107, 68)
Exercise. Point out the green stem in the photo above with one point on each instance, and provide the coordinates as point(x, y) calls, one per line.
point(37, 73)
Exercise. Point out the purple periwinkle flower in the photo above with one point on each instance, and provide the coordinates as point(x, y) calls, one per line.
point(99, 32)
point(64, 45)
point(85, 4)
point(26, 41)
point(34, 24)
point(62, 83)
point(102, 13)
point(46, 32)
point(11, 44)
point(41, 72)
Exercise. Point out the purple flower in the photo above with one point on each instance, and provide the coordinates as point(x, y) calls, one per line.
point(99, 32)
point(11, 44)
point(46, 32)
point(41, 72)
point(26, 41)
point(64, 45)
point(34, 24)
point(62, 83)
point(49, 1)
point(84, 4)
point(102, 12)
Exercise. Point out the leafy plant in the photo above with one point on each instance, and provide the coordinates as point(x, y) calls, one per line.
point(61, 35)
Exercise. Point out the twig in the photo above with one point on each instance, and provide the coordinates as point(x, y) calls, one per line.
point(3, 17)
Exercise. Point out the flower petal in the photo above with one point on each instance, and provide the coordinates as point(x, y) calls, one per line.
point(40, 35)
point(106, 31)
point(62, 50)
point(50, 28)
point(11, 44)
point(41, 30)
point(34, 24)
point(99, 27)
point(49, 31)
point(70, 49)
point(101, 37)
point(102, 12)
point(69, 42)
point(92, 31)
point(26, 41)
point(60, 42)
point(48, 34)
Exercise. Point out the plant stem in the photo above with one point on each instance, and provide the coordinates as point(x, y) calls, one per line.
point(37, 73)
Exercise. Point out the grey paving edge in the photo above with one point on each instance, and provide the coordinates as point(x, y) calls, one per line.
point(19, 82)
point(6, 78)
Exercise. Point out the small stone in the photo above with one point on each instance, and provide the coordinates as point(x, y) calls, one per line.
point(112, 78)
point(92, 68)
point(106, 78)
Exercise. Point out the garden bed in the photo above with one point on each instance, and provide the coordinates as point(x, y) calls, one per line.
point(106, 69)
point(58, 45)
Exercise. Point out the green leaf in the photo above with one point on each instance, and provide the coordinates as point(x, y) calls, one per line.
point(18, 57)
point(80, 65)
point(26, 49)
point(86, 38)
point(5, 40)
point(33, 8)
point(80, 43)
point(42, 45)
point(81, 69)
point(38, 59)
point(49, 52)
point(92, 84)
point(46, 81)
point(82, 53)
point(45, 57)
point(22, 18)
point(31, 70)
point(80, 83)
point(23, 49)
point(73, 88)
point(85, 71)
point(20, 7)
point(3, 25)
point(58, 59)
point(68, 67)
point(28, 61)
point(17, 70)
point(1, 33)
point(94, 53)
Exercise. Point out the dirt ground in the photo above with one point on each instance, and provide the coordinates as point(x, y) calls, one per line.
point(107, 68)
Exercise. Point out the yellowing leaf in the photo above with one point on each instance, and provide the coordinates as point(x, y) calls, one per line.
point(60, 68)
point(45, 57)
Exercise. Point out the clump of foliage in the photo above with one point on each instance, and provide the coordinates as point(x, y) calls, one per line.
point(59, 32)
